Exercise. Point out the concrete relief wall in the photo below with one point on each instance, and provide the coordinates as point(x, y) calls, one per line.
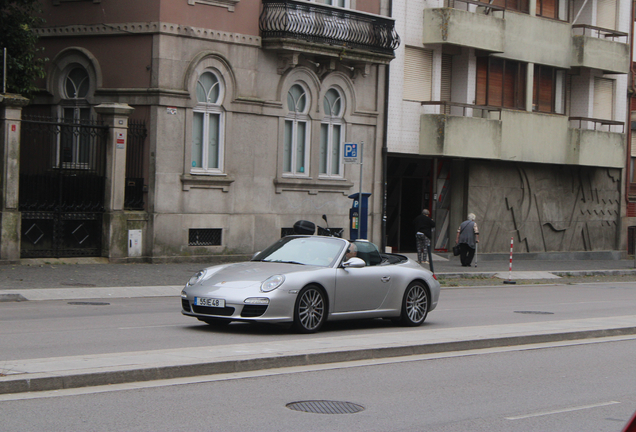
point(546, 208)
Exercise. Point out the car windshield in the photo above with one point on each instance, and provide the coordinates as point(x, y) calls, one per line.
point(303, 250)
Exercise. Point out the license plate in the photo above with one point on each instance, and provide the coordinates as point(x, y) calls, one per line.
point(209, 302)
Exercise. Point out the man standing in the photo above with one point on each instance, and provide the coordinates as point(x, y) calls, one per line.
point(423, 225)
point(467, 239)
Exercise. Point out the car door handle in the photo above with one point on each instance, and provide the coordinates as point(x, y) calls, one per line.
point(385, 279)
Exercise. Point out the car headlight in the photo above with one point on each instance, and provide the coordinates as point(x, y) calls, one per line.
point(197, 278)
point(272, 283)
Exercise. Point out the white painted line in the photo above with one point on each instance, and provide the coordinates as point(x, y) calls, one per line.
point(564, 410)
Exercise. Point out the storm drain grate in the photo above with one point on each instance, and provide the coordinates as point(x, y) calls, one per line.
point(325, 407)
point(535, 312)
point(89, 303)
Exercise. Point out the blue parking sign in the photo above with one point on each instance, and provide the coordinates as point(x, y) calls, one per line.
point(350, 153)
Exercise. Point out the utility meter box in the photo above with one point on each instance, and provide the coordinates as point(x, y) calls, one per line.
point(134, 243)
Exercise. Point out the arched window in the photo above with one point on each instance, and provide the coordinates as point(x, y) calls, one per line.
point(75, 140)
point(207, 125)
point(296, 145)
point(332, 134)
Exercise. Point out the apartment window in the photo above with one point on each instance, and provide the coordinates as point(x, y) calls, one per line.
point(632, 166)
point(548, 90)
point(606, 14)
point(515, 5)
point(296, 139)
point(418, 74)
point(207, 125)
point(332, 134)
point(74, 139)
point(500, 83)
point(603, 98)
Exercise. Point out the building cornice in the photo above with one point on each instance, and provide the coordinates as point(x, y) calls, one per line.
point(141, 28)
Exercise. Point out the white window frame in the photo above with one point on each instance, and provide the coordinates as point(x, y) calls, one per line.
point(208, 110)
point(330, 121)
point(296, 118)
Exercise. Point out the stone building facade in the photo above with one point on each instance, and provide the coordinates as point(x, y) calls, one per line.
point(247, 105)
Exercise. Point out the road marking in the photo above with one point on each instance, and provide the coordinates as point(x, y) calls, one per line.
point(564, 410)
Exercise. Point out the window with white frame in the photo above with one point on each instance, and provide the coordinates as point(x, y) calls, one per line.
point(332, 135)
point(207, 125)
point(75, 140)
point(296, 140)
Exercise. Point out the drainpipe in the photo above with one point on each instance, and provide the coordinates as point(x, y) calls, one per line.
point(385, 147)
point(632, 93)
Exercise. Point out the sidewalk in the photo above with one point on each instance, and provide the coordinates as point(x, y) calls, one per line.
point(31, 279)
point(97, 279)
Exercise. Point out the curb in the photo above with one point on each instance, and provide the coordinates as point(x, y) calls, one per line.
point(93, 377)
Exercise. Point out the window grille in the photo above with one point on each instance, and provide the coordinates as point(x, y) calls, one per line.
point(205, 237)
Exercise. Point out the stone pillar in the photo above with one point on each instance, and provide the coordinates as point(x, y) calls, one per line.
point(10, 217)
point(115, 234)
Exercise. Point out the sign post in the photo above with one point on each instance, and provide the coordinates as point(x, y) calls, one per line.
point(352, 154)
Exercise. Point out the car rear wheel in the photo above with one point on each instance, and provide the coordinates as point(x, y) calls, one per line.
point(310, 311)
point(414, 304)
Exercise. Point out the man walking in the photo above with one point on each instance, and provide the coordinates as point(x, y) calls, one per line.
point(423, 225)
point(467, 239)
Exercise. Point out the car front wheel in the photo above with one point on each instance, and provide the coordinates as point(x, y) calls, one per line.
point(310, 311)
point(414, 305)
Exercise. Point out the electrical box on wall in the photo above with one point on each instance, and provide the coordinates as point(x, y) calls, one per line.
point(134, 243)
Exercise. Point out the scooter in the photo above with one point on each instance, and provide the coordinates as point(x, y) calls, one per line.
point(309, 228)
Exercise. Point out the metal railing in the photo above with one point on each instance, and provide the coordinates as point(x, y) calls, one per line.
point(597, 122)
point(598, 32)
point(323, 24)
point(462, 109)
point(134, 193)
point(487, 6)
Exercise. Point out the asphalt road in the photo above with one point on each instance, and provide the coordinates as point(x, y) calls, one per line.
point(575, 386)
point(42, 329)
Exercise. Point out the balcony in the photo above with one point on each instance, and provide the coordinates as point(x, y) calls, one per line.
point(474, 27)
point(519, 136)
point(598, 48)
point(294, 27)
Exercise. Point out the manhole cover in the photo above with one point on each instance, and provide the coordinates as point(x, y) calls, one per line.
point(535, 312)
point(89, 303)
point(325, 407)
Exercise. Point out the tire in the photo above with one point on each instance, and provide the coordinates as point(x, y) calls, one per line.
point(310, 310)
point(216, 322)
point(415, 304)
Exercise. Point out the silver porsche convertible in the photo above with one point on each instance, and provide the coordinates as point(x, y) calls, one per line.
point(307, 280)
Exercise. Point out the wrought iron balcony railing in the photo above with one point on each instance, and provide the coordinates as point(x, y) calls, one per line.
point(316, 23)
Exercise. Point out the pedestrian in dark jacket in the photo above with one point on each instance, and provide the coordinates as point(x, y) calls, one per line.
point(423, 233)
point(467, 239)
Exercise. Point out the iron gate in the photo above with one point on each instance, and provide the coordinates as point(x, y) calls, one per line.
point(62, 187)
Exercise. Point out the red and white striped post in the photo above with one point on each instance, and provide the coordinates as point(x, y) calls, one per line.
point(510, 281)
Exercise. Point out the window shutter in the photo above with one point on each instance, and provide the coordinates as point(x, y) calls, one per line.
point(633, 144)
point(603, 98)
point(418, 67)
point(606, 14)
point(482, 81)
point(447, 73)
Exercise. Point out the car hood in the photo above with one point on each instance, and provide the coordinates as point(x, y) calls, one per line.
point(250, 274)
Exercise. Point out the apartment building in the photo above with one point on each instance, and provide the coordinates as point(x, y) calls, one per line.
point(241, 109)
point(514, 110)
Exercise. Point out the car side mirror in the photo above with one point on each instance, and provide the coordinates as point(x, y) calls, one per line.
point(354, 262)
